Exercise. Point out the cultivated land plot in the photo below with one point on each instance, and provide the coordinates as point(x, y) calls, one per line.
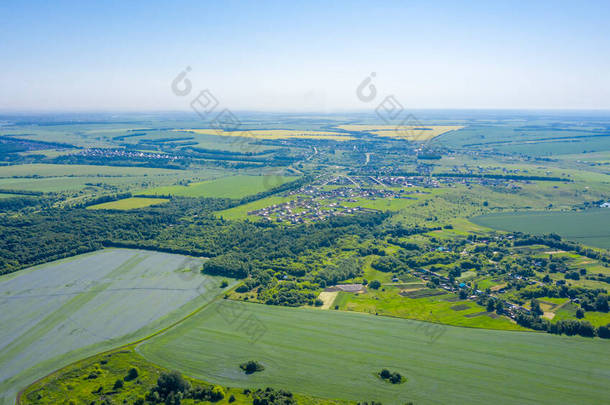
point(225, 187)
point(587, 227)
point(407, 132)
point(50, 170)
point(128, 203)
point(335, 354)
point(58, 312)
point(276, 134)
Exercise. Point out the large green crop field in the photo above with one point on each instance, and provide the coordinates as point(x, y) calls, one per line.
point(224, 187)
point(335, 354)
point(587, 227)
point(62, 311)
point(129, 203)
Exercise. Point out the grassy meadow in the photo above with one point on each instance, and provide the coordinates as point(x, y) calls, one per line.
point(413, 302)
point(128, 203)
point(226, 187)
point(69, 385)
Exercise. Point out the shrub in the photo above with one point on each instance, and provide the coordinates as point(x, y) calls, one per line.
point(218, 393)
point(132, 374)
point(392, 377)
point(375, 284)
point(224, 284)
point(118, 384)
point(232, 398)
point(604, 331)
point(251, 366)
point(318, 302)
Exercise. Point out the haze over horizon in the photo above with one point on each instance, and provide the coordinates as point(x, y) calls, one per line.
point(69, 56)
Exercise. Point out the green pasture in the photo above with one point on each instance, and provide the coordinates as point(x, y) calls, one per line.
point(241, 211)
point(69, 384)
point(225, 187)
point(128, 203)
point(335, 354)
point(444, 308)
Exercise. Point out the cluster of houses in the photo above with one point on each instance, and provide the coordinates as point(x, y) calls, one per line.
point(306, 209)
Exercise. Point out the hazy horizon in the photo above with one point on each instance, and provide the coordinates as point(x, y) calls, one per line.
point(276, 57)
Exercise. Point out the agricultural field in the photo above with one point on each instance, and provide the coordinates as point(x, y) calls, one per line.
point(226, 187)
point(241, 211)
point(128, 203)
point(335, 354)
point(69, 384)
point(93, 179)
point(59, 312)
point(589, 227)
point(275, 134)
point(415, 302)
point(406, 132)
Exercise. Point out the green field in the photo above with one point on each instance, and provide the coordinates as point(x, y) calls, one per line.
point(128, 203)
point(51, 170)
point(241, 211)
point(587, 227)
point(62, 311)
point(69, 385)
point(226, 187)
point(443, 308)
point(56, 178)
point(335, 354)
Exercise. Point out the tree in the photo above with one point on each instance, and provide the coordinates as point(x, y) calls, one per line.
point(490, 305)
point(601, 303)
point(499, 307)
point(535, 307)
point(132, 374)
point(251, 366)
point(118, 384)
point(580, 313)
point(604, 331)
point(169, 383)
point(375, 284)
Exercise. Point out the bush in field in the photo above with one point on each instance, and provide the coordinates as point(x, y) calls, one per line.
point(168, 386)
point(132, 374)
point(251, 366)
point(375, 284)
point(118, 384)
point(392, 377)
point(269, 396)
point(604, 331)
point(601, 303)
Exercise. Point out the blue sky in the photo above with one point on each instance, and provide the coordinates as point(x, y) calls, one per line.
point(310, 56)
